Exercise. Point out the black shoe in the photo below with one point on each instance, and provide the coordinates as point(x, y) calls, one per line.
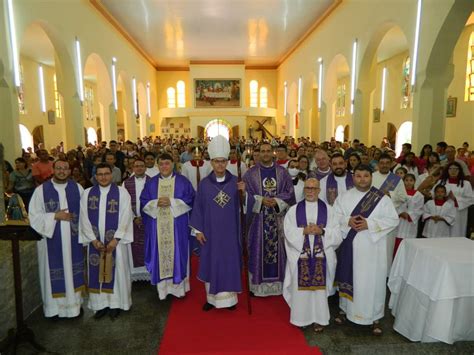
point(53, 319)
point(232, 308)
point(114, 313)
point(207, 307)
point(101, 313)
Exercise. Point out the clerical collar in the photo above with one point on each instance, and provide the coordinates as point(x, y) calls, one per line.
point(323, 171)
point(267, 166)
point(104, 188)
point(220, 179)
point(166, 177)
point(140, 177)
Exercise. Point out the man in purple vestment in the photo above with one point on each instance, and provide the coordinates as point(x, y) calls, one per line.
point(134, 185)
point(166, 201)
point(215, 220)
point(272, 188)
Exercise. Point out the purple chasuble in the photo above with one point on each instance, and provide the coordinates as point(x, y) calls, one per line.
point(183, 190)
point(111, 225)
point(312, 264)
point(331, 186)
point(267, 257)
point(138, 245)
point(55, 250)
point(216, 215)
point(344, 270)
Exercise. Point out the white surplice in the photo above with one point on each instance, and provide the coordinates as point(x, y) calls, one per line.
point(464, 198)
point(341, 186)
point(44, 223)
point(178, 207)
point(369, 256)
point(438, 229)
point(414, 207)
point(122, 293)
point(308, 306)
point(232, 168)
point(190, 172)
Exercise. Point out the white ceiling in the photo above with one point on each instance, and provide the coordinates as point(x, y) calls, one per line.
point(393, 43)
point(259, 32)
point(36, 45)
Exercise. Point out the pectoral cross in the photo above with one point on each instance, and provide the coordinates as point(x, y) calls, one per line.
point(93, 202)
point(112, 204)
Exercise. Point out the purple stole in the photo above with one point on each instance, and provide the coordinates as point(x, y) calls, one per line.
point(270, 228)
point(111, 225)
point(312, 264)
point(390, 183)
point(319, 175)
point(138, 245)
point(331, 186)
point(344, 270)
point(55, 251)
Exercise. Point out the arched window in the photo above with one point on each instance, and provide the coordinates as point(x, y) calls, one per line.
point(406, 90)
point(341, 100)
point(57, 99)
point(217, 127)
point(339, 133)
point(263, 97)
point(403, 136)
point(254, 93)
point(180, 86)
point(469, 95)
point(26, 138)
point(171, 93)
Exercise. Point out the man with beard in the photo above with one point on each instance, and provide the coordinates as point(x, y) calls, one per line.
point(338, 181)
point(54, 213)
point(272, 187)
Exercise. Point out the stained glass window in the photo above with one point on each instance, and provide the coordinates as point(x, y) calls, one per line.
point(406, 88)
point(341, 100)
point(21, 94)
point(57, 99)
point(469, 94)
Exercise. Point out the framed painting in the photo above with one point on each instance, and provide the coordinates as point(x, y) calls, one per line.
point(451, 106)
point(218, 93)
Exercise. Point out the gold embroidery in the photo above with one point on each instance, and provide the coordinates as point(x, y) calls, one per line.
point(165, 227)
point(222, 199)
point(93, 202)
point(112, 206)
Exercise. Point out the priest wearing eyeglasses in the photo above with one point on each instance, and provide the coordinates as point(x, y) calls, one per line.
point(216, 223)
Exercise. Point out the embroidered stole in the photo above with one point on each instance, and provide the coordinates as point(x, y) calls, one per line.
point(54, 244)
point(344, 270)
point(102, 265)
point(331, 186)
point(165, 228)
point(312, 263)
point(390, 183)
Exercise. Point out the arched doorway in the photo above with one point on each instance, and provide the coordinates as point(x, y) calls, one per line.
point(391, 134)
point(339, 134)
point(26, 137)
point(92, 136)
point(346, 132)
point(403, 136)
point(38, 137)
point(217, 127)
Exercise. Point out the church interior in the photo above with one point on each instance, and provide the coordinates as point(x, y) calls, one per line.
point(86, 71)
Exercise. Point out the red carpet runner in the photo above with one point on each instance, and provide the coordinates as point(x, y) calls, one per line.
point(189, 330)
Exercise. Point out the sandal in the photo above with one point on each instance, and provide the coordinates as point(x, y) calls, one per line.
point(377, 329)
point(318, 328)
point(340, 318)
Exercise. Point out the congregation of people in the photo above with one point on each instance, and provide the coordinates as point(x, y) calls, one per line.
point(320, 220)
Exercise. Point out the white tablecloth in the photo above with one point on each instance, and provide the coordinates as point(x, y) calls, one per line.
point(432, 289)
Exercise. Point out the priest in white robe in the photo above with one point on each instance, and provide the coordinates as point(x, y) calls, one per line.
point(337, 182)
point(311, 238)
point(54, 213)
point(106, 227)
point(167, 200)
point(365, 216)
point(196, 169)
point(234, 161)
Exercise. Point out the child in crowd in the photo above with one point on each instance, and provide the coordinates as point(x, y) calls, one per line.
point(409, 212)
point(439, 214)
point(401, 171)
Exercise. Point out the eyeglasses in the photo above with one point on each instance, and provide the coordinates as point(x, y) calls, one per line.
point(60, 168)
point(220, 161)
point(103, 174)
point(308, 188)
